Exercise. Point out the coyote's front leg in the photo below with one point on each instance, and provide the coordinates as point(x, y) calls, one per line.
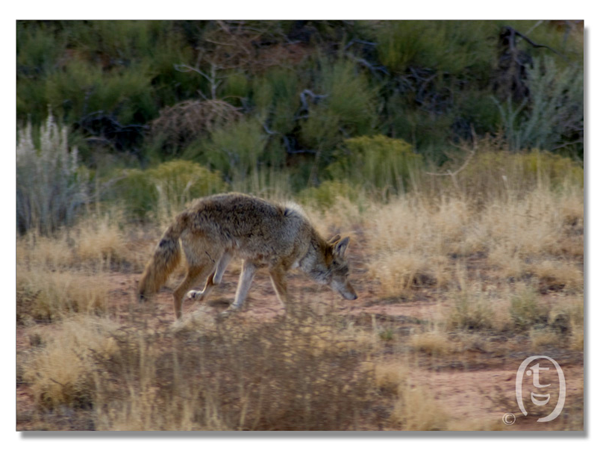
point(246, 276)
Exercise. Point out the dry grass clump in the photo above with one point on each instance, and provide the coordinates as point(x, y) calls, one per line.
point(555, 275)
point(100, 240)
point(96, 242)
point(390, 377)
point(435, 342)
point(542, 338)
point(416, 409)
point(44, 295)
point(526, 310)
point(413, 224)
point(342, 216)
point(566, 318)
point(399, 273)
point(60, 372)
point(293, 373)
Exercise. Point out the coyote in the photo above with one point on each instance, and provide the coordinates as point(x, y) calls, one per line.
point(217, 228)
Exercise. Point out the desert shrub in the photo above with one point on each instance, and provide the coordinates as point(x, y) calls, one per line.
point(83, 88)
point(236, 150)
point(447, 46)
point(51, 186)
point(349, 96)
point(163, 190)
point(345, 106)
point(553, 112)
point(379, 162)
point(276, 96)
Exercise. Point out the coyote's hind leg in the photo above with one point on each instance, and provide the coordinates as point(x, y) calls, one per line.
point(213, 279)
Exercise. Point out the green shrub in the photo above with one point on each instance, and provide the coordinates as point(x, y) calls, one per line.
point(377, 162)
point(277, 98)
point(553, 112)
point(448, 46)
point(84, 88)
point(325, 195)
point(164, 190)
point(349, 96)
point(236, 150)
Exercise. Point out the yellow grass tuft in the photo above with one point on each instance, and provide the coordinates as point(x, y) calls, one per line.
point(434, 342)
point(416, 409)
point(46, 295)
point(60, 373)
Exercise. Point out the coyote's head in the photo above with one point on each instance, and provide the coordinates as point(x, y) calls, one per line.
point(333, 269)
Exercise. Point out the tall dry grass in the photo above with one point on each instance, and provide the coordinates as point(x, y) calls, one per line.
point(498, 260)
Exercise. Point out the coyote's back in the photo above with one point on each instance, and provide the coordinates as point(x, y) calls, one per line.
point(217, 228)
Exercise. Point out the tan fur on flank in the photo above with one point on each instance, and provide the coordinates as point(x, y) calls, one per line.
point(217, 228)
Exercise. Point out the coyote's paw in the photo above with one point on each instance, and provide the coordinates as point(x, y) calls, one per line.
point(227, 313)
point(193, 295)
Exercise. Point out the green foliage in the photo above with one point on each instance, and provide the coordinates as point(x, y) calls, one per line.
point(448, 46)
point(377, 162)
point(553, 111)
point(51, 186)
point(235, 150)
point(124, 68)
point(38, 51)
point(166, 187)
point(326, 194)
point(349, 96)
point(300, 88)
point(276, 96)
point(84, 88)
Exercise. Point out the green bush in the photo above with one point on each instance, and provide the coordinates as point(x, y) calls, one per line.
point(164, 190)
point(236, 150)
point(553, 112)
point(326, 194)
point(448, 46)
point(377, 162)
point(276, 95)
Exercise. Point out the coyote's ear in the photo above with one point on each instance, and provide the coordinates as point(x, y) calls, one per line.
point(333, 239)
point(340, 248)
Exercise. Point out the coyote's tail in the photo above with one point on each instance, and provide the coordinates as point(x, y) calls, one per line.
point(164, 261)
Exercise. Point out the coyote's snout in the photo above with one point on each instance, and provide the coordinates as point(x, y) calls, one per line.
point(217, 228)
